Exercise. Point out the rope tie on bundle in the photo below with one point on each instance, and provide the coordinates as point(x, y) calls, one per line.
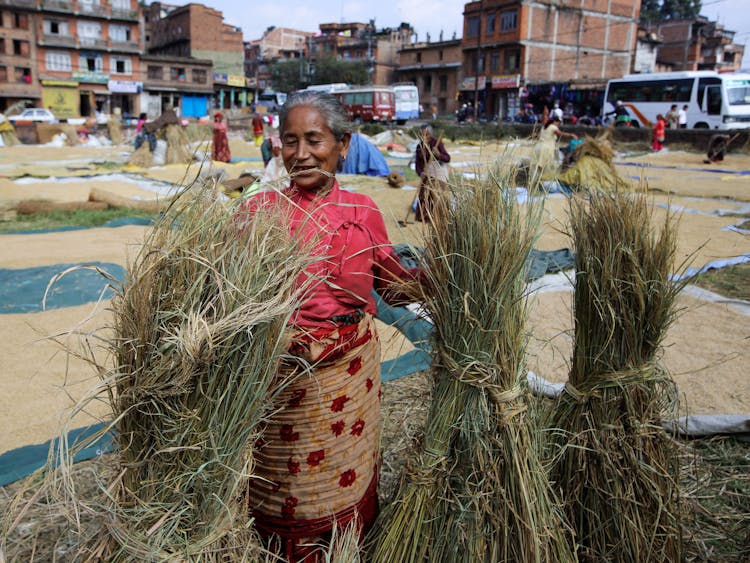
point(429, 467)
point(647, 373)
point(483, 377)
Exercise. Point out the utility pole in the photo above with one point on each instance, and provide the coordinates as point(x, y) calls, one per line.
point(479, 63)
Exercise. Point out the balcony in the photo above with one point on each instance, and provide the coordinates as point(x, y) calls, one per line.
point(90, 9)
point(57, 5)
point(120, 14)
point(126, 46)
point(92, 43)
point(19, 3)
point(56, 40)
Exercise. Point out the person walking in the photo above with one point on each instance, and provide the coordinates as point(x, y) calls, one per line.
point(673, 117)
point(430, 164)
point(682, 117)
point(220, 149)
point(659, 130)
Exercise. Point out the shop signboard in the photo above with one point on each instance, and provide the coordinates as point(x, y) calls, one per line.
point(124, 86)
point(506, 81)
point(234, 80)
point(468, 83)
point(91, 77)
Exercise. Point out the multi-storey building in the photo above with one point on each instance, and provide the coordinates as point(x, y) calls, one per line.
point(276, 44)
point(180, 83)
point(434, 68)
point(696, 44)
point(18, 71)
point(197, 31)
point(363, 42)
point(88, 56)
point(556, 50)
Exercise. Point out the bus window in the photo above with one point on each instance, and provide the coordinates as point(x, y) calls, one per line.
point(713, 100)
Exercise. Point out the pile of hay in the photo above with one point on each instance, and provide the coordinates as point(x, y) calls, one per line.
point(477, 491)
point(617, 469)
point(590, 165)
point(178, 151)
point(115, 131)
point(142, 157)
point(199, 330)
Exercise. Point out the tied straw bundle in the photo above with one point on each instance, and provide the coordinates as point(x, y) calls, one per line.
point(199, 331)
point(477, 491)
point(615, 466)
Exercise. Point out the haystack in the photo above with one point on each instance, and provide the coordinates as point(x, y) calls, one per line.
point(115, 132)
point(616, 468)
point(477, 490)
point(198, 332)
point(178, 151)
point(142, 157)
point(590, 165)
point(8, 134)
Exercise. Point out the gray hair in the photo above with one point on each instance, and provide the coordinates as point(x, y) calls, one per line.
point(328, 106)
point(426, 128)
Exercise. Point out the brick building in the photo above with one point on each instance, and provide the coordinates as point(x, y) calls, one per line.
point(435, 69)
point(73, 56)
point(556, 50)
point(276, 44)
point(696, 44)
point(177, 82)
point(199, 32)
point(363, 42)
point(18, 73)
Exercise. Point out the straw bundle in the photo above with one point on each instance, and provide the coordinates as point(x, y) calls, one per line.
point(590, 166)
point(477, 491)
point(8, 134)
point(141, 157)
point(198, 335)
point(177, 145)
point(115, 131)
point(616, 468)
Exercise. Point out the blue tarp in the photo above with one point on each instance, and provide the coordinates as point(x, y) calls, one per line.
point(364, 158)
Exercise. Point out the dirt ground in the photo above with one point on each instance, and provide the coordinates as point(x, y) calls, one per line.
point(706, 351)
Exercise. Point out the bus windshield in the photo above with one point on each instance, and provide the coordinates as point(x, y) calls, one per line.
point(738, 92)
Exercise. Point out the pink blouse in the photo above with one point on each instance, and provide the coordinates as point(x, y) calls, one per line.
point(352, 244)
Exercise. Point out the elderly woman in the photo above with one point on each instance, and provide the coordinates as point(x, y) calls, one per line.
point(220, 150)
point(317, 461)
point(430, 163)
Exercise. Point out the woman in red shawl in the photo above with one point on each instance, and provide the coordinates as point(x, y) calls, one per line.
point(317, 460)
point(220, 150)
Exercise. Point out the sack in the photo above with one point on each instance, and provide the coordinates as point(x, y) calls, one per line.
point(660, 139)
point(436, 170)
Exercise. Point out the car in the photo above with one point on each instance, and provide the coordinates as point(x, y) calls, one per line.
point(34, 114)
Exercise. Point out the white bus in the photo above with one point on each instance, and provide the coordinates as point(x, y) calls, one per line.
point(407, 101)
point(715, 100)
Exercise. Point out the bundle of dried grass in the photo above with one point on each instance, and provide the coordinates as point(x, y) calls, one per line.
point(477, 491)
point(177, 145)
point(8, 134)
point(617, 469)
point(199, 330)
point(115, 131)
point(590, 165)
point(142, 157)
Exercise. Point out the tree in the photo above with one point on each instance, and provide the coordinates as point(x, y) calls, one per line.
point(670, 9)
point(689, 8)
point(285, 76)
point(331, 69)
point(650, 11)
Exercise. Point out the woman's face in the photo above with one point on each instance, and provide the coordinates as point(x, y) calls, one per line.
point(309, 149)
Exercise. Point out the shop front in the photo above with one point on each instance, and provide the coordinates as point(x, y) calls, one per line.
point(231, 91)
point(93, 93)
point(472, 92)
point(503, 98)
point(124, 97)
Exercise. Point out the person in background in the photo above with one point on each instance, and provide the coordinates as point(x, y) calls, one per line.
point(673, 117)
point(220, 150)
point(545, 154)
point(257, 124)
point(316, 463)
point(430, 163)
point(143, 134)
point(557, 112)
point(660, 126)
point(140, 123)
point(682, 117)
point(275, 169)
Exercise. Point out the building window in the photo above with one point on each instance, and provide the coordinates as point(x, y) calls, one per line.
point(53, 27)
point(121, 65)
point(490, 24)
point(89, 33)
point(440, 55)
point(2, 45)
point(155, 72)
point(120, 33)
point(472, 26)
point(508, 20)
point(21, 48)
point(3, 74)
point(177, 74)
point(23, 74)
point(21, 21)
point(512, 60)
point(200, 76)
point(419, 57)
point(91, 62)
point(494, 61)
point(55, 60)
point(120, 4)
point(427, 81)
point(443, 80)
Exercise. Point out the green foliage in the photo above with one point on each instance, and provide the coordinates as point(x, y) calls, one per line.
point(285, 76)
point(371, 129)
point(650, 11)
point(330, 69)
point(59, 218)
